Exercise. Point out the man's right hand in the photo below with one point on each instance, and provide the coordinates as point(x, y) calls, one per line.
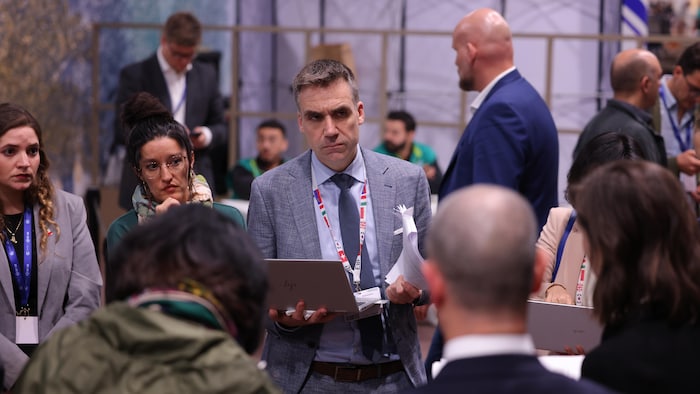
point(688, 162)
point(296, 319)
point(558, 295)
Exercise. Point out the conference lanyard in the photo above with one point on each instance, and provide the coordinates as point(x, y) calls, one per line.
point(581, 281)
point(684, 145)
point(355, 272)
point(23, 278)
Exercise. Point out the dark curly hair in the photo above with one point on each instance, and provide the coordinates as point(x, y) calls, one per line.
point(194, 242)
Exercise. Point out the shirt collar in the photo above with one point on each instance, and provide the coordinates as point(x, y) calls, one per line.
point(164, 66)
point(356, 169)
point(468, 346)
point(645, 116)
point(669, 99)
point(485, 91)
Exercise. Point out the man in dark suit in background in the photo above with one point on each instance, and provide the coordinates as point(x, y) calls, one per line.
point(511, 139)
point(481, 271)
point(190, 89)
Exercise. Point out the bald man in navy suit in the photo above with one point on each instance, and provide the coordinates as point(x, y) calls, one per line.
point(481, 270)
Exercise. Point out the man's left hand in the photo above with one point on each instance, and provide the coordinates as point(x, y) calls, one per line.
point(402, 291)
point(198, 138)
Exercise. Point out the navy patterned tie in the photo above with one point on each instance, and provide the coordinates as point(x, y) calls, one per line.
point(371, 330)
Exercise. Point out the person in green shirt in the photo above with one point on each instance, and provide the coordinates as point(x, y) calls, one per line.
point(271, 145)
point(398, 140)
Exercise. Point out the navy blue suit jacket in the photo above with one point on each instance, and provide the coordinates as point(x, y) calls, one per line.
point(504, 374)
point(511, 141)
point(204, 108)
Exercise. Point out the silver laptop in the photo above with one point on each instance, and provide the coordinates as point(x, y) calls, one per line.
point(556, 326)
point(317, 282)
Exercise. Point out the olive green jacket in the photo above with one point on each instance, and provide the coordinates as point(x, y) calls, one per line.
point(122, 349)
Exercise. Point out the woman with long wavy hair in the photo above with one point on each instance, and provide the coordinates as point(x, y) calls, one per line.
point(49, 274)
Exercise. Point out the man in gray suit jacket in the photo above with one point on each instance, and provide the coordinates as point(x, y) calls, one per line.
point(288, 219)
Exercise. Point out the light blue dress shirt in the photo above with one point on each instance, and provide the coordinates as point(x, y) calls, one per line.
point(340, 340)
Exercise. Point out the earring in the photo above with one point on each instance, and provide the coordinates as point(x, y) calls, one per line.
point(145, 190)
point(191, 185)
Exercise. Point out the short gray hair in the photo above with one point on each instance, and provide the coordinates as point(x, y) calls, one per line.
point(323, 73)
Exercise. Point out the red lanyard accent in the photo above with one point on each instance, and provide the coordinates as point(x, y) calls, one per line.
point(355, 272)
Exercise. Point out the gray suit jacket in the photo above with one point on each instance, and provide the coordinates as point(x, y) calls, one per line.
point(281, 219)
point(69, 281)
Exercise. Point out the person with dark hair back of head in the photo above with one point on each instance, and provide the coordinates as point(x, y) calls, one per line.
point(634, 76)
point(398, 140)
point(160, 153)
point(189, 89)
point(483, 264)
point(49, 276)
point(643, 243)
point(271, 143)
point(191, 287)
point(567, 277)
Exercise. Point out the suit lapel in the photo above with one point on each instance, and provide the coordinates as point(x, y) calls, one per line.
point(508, 78)
point(6, 280)
point(382, 192)
point(304, 217)
point(159, 87)
point(191, 101)
point(45, 265)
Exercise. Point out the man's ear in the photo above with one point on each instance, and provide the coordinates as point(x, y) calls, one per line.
point(436, 282)
point(538, 269)
point(644, 84)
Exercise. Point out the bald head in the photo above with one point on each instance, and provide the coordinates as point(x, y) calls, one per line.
point(485, 40)
point(482, 240)
point(634, 77)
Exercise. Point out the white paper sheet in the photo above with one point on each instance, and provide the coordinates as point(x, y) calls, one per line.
point(410, 261)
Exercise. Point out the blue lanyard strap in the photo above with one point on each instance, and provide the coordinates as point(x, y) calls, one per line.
point(562, 242)
point(182, 100)
point(684, 145)
point(23, 277)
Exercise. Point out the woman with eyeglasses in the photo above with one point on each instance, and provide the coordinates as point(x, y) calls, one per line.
point(49, 276)
point(160, 152)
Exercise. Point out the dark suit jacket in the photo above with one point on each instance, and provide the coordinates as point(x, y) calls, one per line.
point(511, 141)
point(204, 108)
point(646, 356)
point(627, 119)
point(504, 374)
point(282, 222)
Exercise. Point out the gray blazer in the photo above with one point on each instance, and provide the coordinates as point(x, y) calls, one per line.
point(283, 223)
point(69, 281)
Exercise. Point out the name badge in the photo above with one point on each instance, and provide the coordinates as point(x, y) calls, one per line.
point(690, 183)
point(26, 330)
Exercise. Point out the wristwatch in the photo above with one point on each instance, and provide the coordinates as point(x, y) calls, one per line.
point(421, 299)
